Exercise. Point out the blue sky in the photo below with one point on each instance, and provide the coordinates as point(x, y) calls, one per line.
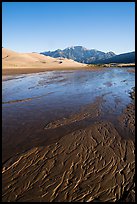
point(42, 26)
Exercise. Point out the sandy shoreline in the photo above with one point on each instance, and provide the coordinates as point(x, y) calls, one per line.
point(17, 71)
point(14, 71)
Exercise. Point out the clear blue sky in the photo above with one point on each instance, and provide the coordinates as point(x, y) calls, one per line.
point(42, 26)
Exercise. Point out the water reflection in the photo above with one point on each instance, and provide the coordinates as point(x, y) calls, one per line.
point(54, 95)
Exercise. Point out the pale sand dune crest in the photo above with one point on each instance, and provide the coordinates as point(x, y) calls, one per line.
point(11, 60)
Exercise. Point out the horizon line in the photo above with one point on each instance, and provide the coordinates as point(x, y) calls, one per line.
point(66, 48)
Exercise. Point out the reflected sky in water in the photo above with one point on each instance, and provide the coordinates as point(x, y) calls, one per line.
point(32, 101)
point(71, 88)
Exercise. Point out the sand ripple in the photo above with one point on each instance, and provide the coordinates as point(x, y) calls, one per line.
point(89, 164)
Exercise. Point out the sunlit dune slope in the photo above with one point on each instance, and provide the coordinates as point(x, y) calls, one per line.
point(11, 59)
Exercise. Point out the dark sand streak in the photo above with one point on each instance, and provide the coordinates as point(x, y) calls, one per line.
point(25, 100)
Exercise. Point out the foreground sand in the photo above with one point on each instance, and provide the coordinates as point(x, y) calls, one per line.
point(93, 163)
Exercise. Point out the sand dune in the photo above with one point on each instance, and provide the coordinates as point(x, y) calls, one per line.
point(20, 61)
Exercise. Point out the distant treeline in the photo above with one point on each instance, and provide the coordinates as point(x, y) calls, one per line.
point(122, 58)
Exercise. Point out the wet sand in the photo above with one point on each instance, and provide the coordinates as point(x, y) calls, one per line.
point(16, 71)
point(93, 163)
point(89, 158)
point(131, 70)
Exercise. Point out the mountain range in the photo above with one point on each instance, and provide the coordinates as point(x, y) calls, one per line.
point(122, 58)
point(91, 56)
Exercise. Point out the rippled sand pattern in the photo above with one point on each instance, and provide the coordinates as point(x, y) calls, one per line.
point(86, 155)
point(127, 119)
point(92, 111)
point(86, 165)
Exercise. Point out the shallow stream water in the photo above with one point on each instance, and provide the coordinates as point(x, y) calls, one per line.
point(31, 101)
